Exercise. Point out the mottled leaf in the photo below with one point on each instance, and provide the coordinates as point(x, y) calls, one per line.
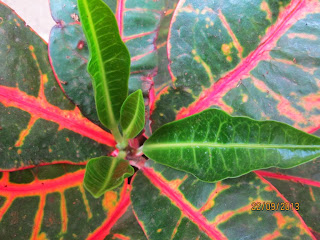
point(38, 125)
point(254, 58)
point(132, 118)
point(171, 204)
point(50, 202)
point(105, 173)
point(213, 145)
point(66, 11)
point(143, 27)
point(273, 74)
point(109, 63)
point(300, 185)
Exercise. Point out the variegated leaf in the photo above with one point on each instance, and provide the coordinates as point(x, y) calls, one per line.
point(171, 204)
point(273, 73)
point(254, 58)
point(50, 202)
point(300, 185)
point(38, 124)
point(140, 24)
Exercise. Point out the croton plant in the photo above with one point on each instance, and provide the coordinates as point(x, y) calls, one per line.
point(161, 119)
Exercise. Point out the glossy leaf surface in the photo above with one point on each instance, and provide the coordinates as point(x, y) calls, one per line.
point(213, 146)
point(38, 125)
point(277, 80)
point(105, 173)
point(256, 58)
point(50, 202)
point(191, 209)
point(300, 185)
point(58, 207)
point(109, 63)
point(143, 27)
point(132, 115)
point(258, 107)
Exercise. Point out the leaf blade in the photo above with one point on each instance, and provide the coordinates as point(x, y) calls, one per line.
point(275, 81)
point(38, 123)
point(67, 45)
point(105, 173)
point(189, 208)
point(213, 146)
point(300, 185)
point(132, 118)
point(109, 63)
point(59, 206)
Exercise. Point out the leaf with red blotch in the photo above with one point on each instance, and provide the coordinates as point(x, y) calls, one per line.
point(141, 25)
point(38, 124)
point(300, 185)
point(50, 202)
point(170, 204)
point(257, 59)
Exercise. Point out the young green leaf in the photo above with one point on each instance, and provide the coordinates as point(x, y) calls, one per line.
point(106, 173)
point(109, 63)
point(132, 115)
point(213, 146)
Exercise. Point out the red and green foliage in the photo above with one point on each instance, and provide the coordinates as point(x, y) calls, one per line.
point(255, 58)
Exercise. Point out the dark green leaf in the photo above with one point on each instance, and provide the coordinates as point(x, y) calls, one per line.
point(146, 42)
point(69, 54)
point(105, 173)
point(251, 58)
point(213, 146)
point(183, 207)
point(49, 202)
point(110, 60)
point(132, 115)
point(38, 124)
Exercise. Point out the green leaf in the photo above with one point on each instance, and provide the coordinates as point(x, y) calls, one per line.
point(38, 124)
point(183, 207)
point(132, 115)
point(146, 42)
point(69, 54)
point(299, 185)
point(213, 146)
point(257, 58)
point(67, 10)
point(58, 206)
point(109, 64)
point(105, 173)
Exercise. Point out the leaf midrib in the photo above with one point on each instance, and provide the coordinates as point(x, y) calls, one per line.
point(228, 145)
point(135, 116)
point(106, 96)
point(109, 175)
point(242, 69)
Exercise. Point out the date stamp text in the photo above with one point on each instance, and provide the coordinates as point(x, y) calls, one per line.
point(274, 206)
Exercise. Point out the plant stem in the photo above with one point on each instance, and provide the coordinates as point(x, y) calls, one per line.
point(122, 143)
point(139, 151)
point(122, 154)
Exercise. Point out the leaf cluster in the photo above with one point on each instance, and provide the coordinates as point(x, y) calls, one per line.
point(211, 145)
